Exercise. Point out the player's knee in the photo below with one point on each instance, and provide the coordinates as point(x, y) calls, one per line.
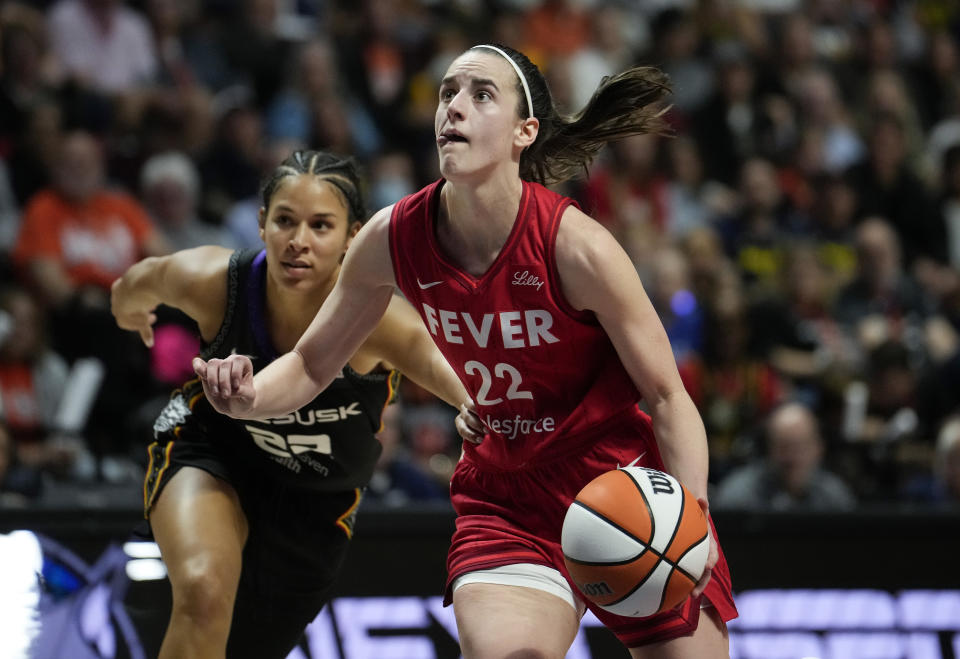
point(204, 591)
point(485, 646)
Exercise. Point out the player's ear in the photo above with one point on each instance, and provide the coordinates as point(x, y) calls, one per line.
point(262, 222)
point(351, 234)
point(527, 132)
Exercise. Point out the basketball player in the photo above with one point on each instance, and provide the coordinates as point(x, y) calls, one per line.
point(253, 518)
point(542, 315)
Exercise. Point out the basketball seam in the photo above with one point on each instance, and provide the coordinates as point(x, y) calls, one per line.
point(687, 551)
point(653, 530)
point(673, 536)
point(619, 528)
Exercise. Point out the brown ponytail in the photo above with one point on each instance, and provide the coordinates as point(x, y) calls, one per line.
point(629, 103)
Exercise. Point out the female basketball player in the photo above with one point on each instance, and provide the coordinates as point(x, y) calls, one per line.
point(542, 315)
point(253, 518)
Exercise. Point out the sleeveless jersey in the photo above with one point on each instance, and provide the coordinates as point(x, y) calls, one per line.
point(545, 377)
point(327, 445)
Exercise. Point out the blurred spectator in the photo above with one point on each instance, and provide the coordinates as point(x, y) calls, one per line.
point(232, 167)
point(887, 186)
point(941, 485)
point(186, 49)
point(557, 27)
point(693, 200)
point(756, 236)
point(24, 73)
point(32, 376)
point(733, 390)
point(252, 49)
point(883, 300)
point(793, 328)
point(76, 238)
point(823, 111)
point(628, 194)
point(431, 437)
point(677, 45)
point(727, 126)
point(949, 204)
point(676, 303)
point(33, 384)
point(834, 231)
point(936, 78)
point(607, 52)
point(397, 480)
point(102, 44)
point(791, 475)
point(36, 150)
point(9, 218)
point(892, 394)
point(78, 235)
point(18, 483)
point(887, 94)
point(170, 188)
point(315, 108)
point(391, 178)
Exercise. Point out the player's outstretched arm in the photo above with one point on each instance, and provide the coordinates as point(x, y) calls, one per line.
point(346, 318)
point(192, 280)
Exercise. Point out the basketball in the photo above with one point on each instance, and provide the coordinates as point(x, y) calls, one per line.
point(635, 541)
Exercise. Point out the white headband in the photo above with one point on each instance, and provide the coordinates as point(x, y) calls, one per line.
point(523, 80)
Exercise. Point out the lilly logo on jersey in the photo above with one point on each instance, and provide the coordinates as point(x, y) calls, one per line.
point(518, 329)
point(524, 278)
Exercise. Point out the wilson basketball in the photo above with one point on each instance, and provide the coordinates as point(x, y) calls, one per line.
point(635, 541)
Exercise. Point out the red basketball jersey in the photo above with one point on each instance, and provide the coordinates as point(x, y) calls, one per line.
point(545, 377)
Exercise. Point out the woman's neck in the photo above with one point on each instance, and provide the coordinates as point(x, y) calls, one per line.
point(290, 311)
point(475, 220)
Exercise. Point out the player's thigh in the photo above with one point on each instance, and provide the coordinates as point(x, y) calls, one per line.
point(200, 527)
point(496, 620)
point(709, 641)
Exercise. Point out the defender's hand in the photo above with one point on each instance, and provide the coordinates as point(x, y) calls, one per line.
point(228, 384)
point(469, 425)
point(136, 321)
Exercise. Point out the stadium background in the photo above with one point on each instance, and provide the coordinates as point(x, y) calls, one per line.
point(799, 235)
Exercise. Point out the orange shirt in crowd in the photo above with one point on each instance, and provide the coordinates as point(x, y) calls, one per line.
point(96, 241)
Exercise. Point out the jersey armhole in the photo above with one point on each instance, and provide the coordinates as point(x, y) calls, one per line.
point(585, 317)
point(394, 233)
point(233, 285)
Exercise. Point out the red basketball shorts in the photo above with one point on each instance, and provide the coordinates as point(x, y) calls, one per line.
point(507, 517)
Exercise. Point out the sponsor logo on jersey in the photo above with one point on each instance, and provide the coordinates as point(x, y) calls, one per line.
point(174, 414)
point(430, 284)
point(284, 448)
point(310, 417)
point(510, 428)
point(524, 278)
point(517, 329)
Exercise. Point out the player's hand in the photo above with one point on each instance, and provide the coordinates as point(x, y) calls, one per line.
point(228, 384)
point(136, 321)
point(469, 425)
point(712, 556)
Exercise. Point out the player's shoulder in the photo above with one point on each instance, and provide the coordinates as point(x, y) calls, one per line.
point(205, 261)
point(581, 235)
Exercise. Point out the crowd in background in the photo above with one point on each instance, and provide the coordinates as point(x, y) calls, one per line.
point(799, 233)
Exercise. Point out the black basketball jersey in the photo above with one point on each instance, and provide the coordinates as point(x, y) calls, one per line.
point(326, 445)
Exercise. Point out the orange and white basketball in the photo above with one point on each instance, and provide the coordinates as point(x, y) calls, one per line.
point(635, 541)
